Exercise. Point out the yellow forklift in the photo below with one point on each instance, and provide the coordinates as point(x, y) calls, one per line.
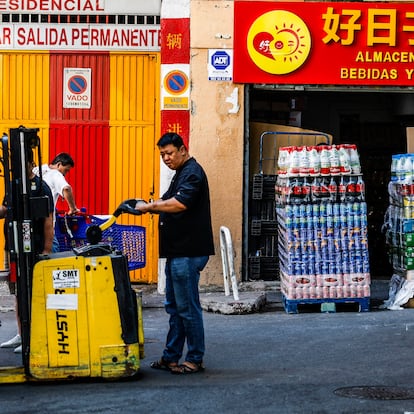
point(79, 316)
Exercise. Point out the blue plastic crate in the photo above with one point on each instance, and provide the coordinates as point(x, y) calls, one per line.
point(130, 240)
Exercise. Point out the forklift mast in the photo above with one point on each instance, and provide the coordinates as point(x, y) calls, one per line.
point(18, 154)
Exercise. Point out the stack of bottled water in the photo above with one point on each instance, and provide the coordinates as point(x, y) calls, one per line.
point(317, 160)
point(399, 217)
point(322, 225)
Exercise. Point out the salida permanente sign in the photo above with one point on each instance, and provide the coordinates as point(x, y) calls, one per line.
point(65, 36)
point(324, 43)
point(75, 36)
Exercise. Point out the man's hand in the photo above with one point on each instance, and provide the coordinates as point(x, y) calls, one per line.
point(143, 206)
point(172, 205)
point(3, 211)
point(73, 211)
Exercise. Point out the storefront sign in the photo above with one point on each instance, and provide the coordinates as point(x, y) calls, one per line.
point(81, 6)
point(324, 43)
point(78, 36)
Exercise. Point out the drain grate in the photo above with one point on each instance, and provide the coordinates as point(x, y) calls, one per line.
point(376, 393)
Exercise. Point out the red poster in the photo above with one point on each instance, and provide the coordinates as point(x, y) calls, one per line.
point(324, 43)
point(178, 122)
point(175, 40)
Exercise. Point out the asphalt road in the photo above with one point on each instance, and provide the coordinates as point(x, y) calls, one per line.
point(268, 362)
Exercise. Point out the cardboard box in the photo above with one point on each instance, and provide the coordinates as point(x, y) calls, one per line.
point(272, 142)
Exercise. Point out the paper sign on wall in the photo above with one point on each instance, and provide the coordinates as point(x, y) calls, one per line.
point(77, 88)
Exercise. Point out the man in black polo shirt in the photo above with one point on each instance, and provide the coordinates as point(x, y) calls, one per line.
point(186, 241)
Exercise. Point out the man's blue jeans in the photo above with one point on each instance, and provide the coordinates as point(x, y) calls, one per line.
point(183, 305)
point(55, 245)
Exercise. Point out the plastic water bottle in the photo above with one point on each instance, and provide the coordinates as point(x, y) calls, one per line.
point(325, 163)
point(294, 162)
point(283, 160)
point(399, 168)
point(303, 161)
point(360, 189)
point(324, 189)
point(315, 190)
point(306, 191)
point(334, 167)
point(296, 191)
point(354, 159)
point(408, 169)
point(344, 160)
point(342, 189)
point(314, 161)
point(394, 161)
point(333, 190)
point(412, 170)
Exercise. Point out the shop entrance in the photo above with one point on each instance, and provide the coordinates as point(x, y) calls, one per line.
point(376, 122)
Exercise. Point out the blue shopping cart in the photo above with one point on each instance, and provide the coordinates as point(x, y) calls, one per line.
point(72, 232)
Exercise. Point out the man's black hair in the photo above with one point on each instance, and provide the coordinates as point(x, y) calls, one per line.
point(171, 138)
point(63, 158)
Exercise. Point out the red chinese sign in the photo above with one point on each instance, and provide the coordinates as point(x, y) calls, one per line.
point(175, 40)
point(176, 121)
point(175, 59)
point(324, 43)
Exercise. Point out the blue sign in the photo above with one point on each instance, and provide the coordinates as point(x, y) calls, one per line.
point(220, 60)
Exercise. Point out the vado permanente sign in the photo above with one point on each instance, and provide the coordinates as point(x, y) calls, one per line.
point(324, 43)
point(77, 88)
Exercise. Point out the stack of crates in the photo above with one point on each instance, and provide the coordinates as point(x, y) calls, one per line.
point(263, 257)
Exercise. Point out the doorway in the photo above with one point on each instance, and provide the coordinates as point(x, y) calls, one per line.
point(375, 121)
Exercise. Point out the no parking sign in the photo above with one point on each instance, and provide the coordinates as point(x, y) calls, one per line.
point(175, 91)
point(77, 88)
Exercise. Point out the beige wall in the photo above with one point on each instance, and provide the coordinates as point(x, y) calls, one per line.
point(216, 134)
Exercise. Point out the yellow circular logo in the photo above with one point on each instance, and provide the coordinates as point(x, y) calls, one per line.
point(279, 42)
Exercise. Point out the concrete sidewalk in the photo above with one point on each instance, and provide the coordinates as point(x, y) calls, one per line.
point(253, 297)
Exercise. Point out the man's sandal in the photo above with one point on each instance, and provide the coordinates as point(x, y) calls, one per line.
point(164, 365)
point(188, 367)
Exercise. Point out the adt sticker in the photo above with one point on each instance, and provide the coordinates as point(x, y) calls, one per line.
point(220, 64)
point(220, 60)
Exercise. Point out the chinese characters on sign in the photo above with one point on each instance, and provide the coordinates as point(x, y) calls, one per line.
point(175, 74)
point(324, 43)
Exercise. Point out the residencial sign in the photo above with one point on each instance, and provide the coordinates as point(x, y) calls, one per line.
point(81, 6)
point(324, 43)
point(77, 88)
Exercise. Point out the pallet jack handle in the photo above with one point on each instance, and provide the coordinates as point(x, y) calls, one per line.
point(94, 233)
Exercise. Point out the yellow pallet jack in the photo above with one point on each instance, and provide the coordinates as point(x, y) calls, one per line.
point(79, 316)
